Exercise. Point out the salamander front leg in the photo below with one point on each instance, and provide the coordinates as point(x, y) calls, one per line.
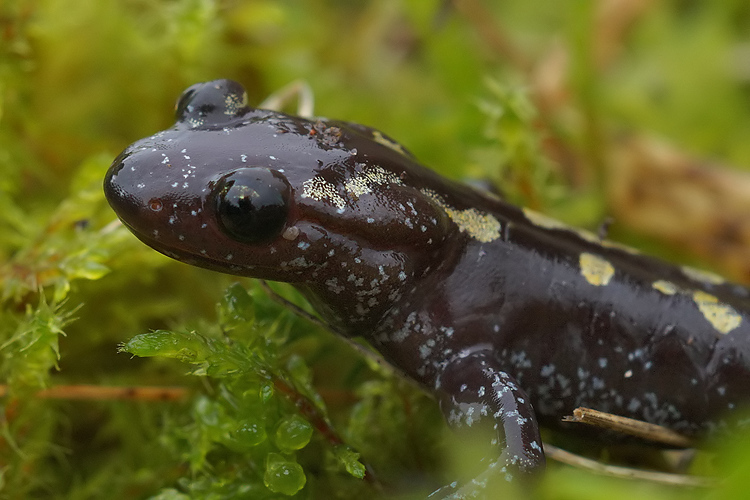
point(476, 391)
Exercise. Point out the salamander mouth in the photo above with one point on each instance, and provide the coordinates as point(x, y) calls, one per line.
point(190, 257)
point(152, 242)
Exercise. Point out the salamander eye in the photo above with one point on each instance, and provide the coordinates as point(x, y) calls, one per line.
point(252, 204)
point(211, 103)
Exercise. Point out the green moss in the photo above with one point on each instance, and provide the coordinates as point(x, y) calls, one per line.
point(81, 80)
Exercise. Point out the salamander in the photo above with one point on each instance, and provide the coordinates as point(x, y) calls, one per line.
point(510, 318)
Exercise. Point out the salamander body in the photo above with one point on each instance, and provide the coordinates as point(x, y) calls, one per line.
point(511, 318)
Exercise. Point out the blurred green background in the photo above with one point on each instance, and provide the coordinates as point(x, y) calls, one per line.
point(527, 94)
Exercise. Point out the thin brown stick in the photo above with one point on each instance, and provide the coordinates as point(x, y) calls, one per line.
point(293, 307)
point(298, 89)
point(368, 353)
point(562, 456)
point(313, 415)
point(630, 426)
point(85, 392)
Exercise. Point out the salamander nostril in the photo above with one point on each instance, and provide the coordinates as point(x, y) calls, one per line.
point(155, 204)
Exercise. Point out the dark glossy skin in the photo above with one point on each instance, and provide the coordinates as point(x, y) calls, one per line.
point(510, 318)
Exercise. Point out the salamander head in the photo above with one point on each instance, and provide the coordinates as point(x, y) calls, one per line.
point(259, 193)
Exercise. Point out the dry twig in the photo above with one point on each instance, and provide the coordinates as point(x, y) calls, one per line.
point(560, 455)
point(630, 426)
point(84, 392)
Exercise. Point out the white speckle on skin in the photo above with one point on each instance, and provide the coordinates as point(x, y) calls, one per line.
point(290, 233)
point(448, 331)
point(547, 370)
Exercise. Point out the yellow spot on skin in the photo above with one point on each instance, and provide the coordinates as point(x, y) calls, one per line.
point(723, 317)
point(479, 225)
point(374, 176)
point(232, 103)
point(357, 186)
point(665, 287)
point(620, 246)
point(320, 189)
point(546, 222)
point(702, 276)
point(381, 139)
point(596, 270)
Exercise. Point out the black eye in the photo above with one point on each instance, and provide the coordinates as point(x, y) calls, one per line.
point(211, 103)
point(252, 204)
